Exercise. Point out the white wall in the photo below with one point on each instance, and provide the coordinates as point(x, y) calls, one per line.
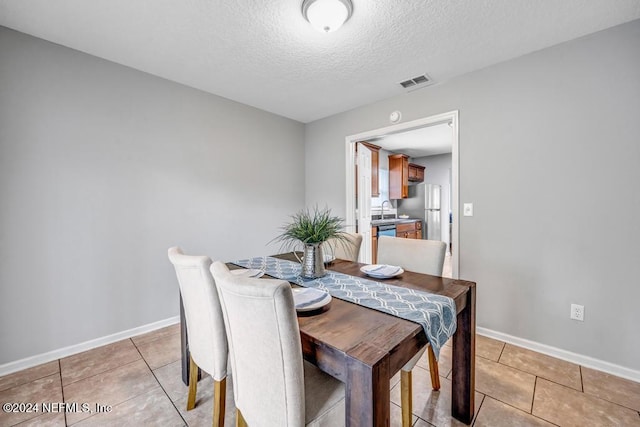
point(548, 142)
point(102, 168)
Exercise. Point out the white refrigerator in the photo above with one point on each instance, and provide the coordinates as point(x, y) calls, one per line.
point(424, 203)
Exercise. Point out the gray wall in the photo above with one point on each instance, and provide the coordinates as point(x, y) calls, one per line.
point(102, 168)
point(548, 142)
point(438, 171)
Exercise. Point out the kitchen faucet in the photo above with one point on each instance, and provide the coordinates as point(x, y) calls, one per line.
point(382, 209)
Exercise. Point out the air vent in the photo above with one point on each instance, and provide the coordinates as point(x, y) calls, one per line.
point(422, 80)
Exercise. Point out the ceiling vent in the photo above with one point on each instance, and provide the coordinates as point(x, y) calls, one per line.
point(417, 82)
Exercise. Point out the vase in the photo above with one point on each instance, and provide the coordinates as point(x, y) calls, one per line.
point(312, 261)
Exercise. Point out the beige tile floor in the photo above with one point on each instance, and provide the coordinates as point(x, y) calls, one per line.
point(140, 379)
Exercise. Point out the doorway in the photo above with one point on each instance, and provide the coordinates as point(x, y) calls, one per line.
point(352, 213)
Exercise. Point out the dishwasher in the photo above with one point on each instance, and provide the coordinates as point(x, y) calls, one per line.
point(387, 230)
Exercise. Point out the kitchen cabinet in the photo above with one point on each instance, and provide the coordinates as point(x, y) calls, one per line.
point(374, 245)
point(398, 176)
point(416, 173)
point(410, 230)
point(375, 168)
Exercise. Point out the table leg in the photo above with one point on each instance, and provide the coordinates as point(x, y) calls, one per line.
point(464, 362)
point(367, 394)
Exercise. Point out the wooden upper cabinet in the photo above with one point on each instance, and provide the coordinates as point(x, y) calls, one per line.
point(398, 176)
point(416, 173)
point(375, 167)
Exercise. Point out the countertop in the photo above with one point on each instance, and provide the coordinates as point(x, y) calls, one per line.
point(377, 222)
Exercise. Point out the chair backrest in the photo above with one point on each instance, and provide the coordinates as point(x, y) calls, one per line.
point(348, 249)
point(420, 256)
point(264, 343)
point(203, 313)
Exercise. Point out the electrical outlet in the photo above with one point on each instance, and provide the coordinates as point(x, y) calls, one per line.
point(467, 209)
point(577, 312)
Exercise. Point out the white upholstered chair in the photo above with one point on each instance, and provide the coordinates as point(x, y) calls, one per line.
point(272, 384)
point(420, 256)
point(348, 249)
point(205, 327)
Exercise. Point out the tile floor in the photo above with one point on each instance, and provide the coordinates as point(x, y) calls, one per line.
point(140, 379)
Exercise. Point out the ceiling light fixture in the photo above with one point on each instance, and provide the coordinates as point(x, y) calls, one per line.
point(327, 15)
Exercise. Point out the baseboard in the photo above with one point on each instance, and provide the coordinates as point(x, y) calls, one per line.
point(589, 362)
point(29, 362)
point(579, 359)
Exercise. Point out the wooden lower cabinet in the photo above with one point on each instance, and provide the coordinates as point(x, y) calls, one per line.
point(418, 229)
point(374, 245)
point(411, 230)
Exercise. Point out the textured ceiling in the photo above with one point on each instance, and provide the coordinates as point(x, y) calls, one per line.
point(425, 141)
point(263, 53)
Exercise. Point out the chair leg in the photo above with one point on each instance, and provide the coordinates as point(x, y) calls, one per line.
point(193, 384)
point(405, 397)
point(240, 422)
point(433, 370)
point(219, 397)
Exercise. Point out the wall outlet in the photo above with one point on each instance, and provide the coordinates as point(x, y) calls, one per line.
point(467, 209)
point(577, 312)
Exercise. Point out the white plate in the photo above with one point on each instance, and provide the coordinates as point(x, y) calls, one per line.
point(308, 299)
point(248, 272)
point(382, 271)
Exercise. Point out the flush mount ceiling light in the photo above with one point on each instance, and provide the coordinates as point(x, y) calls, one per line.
point(327, 15)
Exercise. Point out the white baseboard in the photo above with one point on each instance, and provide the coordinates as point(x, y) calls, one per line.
point(579, 359)
point(39, 359)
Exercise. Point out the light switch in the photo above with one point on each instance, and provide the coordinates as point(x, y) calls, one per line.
point(467, 209)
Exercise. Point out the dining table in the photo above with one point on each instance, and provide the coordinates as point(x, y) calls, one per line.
point(364, 348)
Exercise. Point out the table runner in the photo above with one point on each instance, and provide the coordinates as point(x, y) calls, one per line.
point(435, 313)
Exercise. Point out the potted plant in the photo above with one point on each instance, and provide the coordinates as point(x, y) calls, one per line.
point(311, 229)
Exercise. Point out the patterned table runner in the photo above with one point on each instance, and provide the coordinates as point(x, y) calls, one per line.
point(435, 313)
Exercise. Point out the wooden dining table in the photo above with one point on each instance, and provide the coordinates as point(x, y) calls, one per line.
point(365, 348)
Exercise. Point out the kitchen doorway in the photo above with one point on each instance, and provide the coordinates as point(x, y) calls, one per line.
point(352, 212)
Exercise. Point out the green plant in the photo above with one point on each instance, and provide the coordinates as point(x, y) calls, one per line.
point(310, 227)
